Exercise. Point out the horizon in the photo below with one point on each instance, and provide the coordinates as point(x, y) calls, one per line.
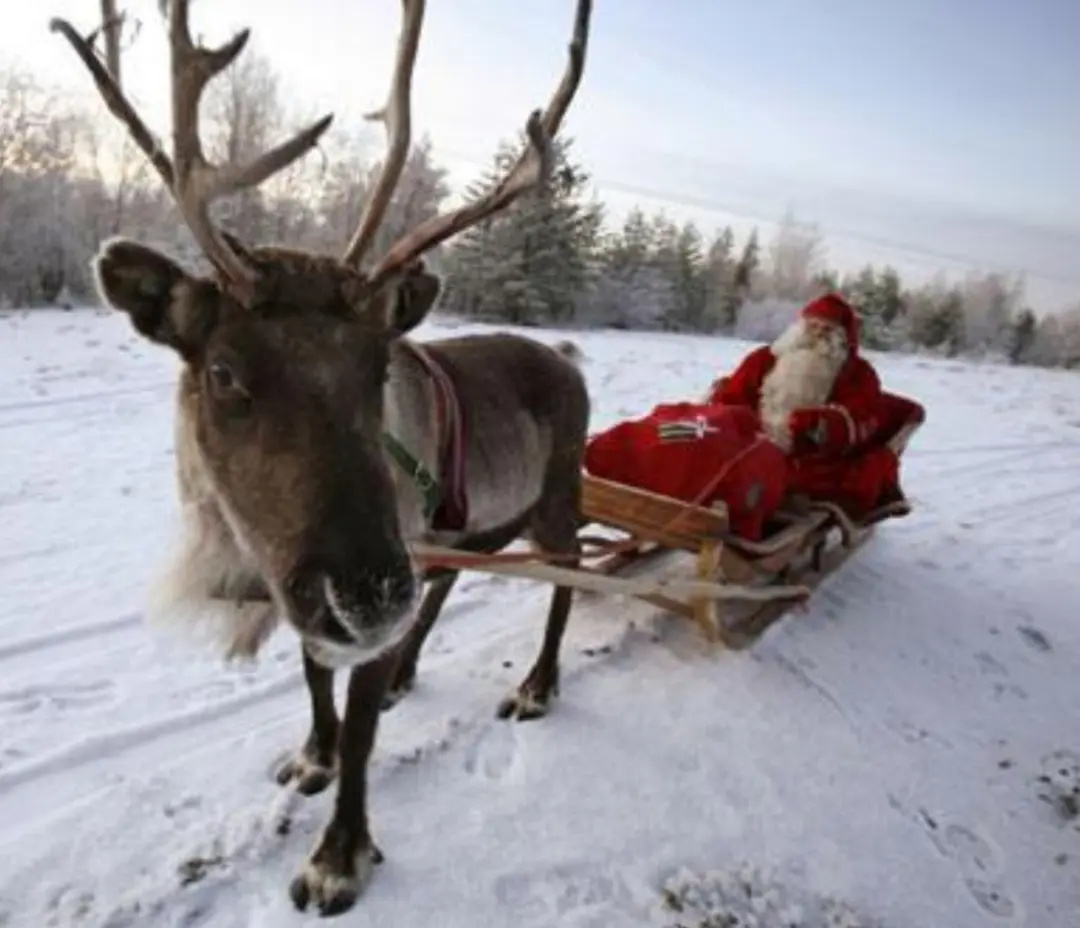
point(895, 131)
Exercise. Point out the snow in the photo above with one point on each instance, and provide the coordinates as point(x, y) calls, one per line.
point(904, 754)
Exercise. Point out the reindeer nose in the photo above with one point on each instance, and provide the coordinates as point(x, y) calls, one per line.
point(303, 588)
point(357, 595)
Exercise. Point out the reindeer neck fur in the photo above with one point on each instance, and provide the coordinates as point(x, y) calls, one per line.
point(804, 373)
point(210, 585)
point(409, 415)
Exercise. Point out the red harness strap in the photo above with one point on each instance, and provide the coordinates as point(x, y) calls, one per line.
point(452, 513)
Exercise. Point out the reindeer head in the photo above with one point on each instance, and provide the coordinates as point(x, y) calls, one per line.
point(286, 354)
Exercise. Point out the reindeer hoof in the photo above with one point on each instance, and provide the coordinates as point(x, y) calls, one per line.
point(332, 886)
point(307, 776)
point(524, 705)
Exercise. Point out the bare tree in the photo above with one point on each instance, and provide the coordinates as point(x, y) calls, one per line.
point(245, 113)
point(795, 259)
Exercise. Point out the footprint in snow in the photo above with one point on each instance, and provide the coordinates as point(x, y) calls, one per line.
point(990, 665)
point(1033, 638)
point(72, 696)
point(493, 751)
point(978, 862)
point(1059, 783)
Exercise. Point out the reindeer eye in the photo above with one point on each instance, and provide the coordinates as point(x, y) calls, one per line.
point(221, 376)
point(224, 384)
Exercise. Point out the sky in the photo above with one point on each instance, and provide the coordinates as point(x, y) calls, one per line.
point(938, 135)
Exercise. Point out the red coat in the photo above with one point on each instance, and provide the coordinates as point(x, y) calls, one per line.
point(856, 396)
point(855, 467)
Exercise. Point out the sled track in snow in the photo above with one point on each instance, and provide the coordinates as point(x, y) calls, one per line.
point(71, 634)
point(90, 396)
point(21, 414)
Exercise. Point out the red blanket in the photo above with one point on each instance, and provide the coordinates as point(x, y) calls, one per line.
point(697, 453)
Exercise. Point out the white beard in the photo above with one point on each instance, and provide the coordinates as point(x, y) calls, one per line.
point(808, 361)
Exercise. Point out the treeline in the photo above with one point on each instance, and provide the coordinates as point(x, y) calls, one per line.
point(69, 178)
point(551, 261)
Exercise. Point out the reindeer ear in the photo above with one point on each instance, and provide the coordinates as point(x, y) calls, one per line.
point(164, 302)
point(412, 300)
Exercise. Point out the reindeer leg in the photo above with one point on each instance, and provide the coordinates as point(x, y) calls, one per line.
point(405, 673)
point(441, 581)
point(314, 766)
point(554, 529)
point(341, 865)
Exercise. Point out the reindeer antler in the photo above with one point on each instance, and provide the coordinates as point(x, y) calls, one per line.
point(395, 115)
point(531, 169)
point(193, 181)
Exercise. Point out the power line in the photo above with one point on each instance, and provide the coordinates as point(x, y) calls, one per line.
point(921, 254)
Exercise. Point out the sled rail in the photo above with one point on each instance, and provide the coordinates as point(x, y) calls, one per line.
point(595, 582)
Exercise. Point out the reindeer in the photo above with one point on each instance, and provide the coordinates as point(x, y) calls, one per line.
point(310, 428)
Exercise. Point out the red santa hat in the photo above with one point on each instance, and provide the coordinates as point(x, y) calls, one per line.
point(834, 309)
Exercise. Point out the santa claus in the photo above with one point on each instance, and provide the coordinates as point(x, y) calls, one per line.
point(822, 403)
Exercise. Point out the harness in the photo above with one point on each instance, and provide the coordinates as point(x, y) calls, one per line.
point(446, 505)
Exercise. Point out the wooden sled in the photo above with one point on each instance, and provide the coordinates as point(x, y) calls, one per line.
point(735, 588)
point(746, 585)
point(805, 543)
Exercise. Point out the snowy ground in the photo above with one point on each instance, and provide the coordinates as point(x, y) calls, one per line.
point(905, 748)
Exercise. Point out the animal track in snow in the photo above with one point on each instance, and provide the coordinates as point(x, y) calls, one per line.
point(493, 751)
point(1059, 783)
point(1034, 638)
point(64, 696)
point(990, 665)
point(978, 863)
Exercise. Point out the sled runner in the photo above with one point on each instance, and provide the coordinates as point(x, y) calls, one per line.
point(734, 589)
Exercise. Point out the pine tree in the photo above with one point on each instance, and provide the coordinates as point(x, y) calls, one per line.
point(936, 319)
point(747, 267)
point(688, 281)
point(721, 307)
point(631, 291)
point(1021, 335)
point(532, 263)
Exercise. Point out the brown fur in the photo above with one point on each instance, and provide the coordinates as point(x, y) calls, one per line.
point(292, 507)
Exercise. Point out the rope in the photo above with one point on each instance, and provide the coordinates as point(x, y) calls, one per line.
point(603, 547)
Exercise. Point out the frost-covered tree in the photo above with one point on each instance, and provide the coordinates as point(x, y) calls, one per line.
point(881, 302)
point(763, 320)
point(677, 254)
point(990, 302)
point(245, 116)
point(39, 219)
point(747, 268)
point(935, 318)
point(795, 258)
point(628, 289)
point(1021, 336)
point(532, 263)
point(718, 277)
